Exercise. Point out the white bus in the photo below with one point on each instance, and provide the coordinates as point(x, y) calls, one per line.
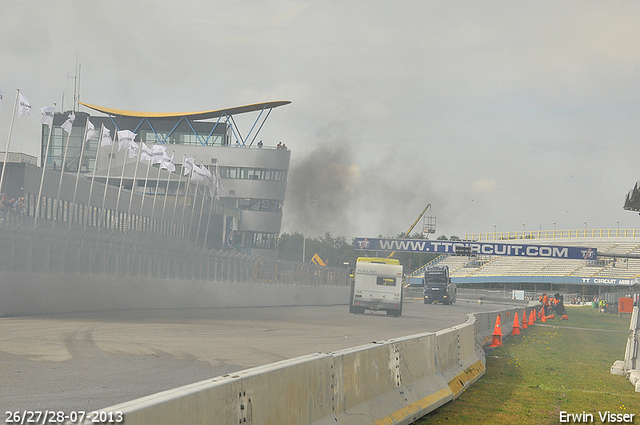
point(377, 285)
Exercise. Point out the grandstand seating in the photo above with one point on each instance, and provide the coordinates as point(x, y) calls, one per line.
point(605, 267)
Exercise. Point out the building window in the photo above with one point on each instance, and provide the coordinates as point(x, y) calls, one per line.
point(262, 240)
point(252, 173)
point(255, 204)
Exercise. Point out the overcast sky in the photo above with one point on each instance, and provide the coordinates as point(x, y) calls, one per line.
point(498, 113)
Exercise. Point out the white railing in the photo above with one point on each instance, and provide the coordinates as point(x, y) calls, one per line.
point(554, 234)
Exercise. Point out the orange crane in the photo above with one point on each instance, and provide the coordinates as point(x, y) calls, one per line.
point(430, 230)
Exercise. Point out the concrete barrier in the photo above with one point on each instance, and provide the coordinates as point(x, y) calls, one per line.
point(388, 382)
point(295, 391)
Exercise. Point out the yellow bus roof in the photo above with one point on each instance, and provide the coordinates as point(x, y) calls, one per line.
point(378, 260)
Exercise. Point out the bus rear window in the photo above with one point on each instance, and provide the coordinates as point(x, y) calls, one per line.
point(385, 281)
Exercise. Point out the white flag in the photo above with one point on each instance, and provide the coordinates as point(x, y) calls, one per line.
point(25, 107)
point(133, 150)
point(159, 149)
point(189, 162)
point(125, 140)
point(167, 163)
point(201, 175)
point(146, 154)
point(211, 185)
point(219, 186)
point(208, 175)
point(68, 124)
point(198, 175)
point(158, 154)
point(106, 137)
point(92, 134)
point(47, 115)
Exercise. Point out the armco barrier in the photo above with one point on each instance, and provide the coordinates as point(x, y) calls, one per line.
point(388, 382)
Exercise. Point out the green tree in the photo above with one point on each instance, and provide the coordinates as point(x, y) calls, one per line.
point(333, 250)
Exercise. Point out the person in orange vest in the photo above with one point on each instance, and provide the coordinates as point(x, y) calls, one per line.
point(541, 305)
point(545, 303)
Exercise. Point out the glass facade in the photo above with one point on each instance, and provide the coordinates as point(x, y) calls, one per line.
point(166, 131)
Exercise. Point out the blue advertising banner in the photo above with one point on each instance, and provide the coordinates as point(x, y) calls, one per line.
point(477, 248)
point(570, 280)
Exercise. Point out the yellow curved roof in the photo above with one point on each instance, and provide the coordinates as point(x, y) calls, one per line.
point(200, 115)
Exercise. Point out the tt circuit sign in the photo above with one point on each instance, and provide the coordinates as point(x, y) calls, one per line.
point(477, 248)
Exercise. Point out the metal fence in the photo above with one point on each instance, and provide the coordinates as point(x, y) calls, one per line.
point(71, 251)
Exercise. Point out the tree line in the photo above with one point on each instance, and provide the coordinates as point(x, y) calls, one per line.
point(337, 251)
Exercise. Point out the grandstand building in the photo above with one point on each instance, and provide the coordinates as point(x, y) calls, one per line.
point(243, 211)
point(616, 268)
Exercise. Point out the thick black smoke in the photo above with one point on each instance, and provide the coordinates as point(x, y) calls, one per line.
point(321, 188)
point(328, 191)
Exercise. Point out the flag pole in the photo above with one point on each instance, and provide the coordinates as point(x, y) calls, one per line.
point(64, 159)
point(6, 151)
point(144, 192)
point(206, 232)
point(204, 197)
point(155, 192)
point(175, 203)
point(184, 201)
point(215, 188)
point(93, 177)
point(124, 163)
point(75, 190)
point(166, 191)
point(135, 179)
point(193, 210)
point(44, 166)
point(106, 185)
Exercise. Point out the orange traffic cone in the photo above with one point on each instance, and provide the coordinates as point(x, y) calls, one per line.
point(564, 317)
point(543, 318)
point(516, 325)
point(497, 334)
point(532, 317)
point(524, 320)
point(551, 316)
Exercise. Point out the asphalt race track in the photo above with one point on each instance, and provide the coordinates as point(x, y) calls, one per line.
point(92, 361)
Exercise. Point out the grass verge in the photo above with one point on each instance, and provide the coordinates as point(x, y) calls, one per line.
point(551, 367)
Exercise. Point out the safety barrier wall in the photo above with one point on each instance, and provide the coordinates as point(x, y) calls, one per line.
point(394, 381)
point(70, 251)
point(61, 271)
point(37, 293)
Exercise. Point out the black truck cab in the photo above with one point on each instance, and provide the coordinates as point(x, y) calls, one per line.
point(438, 286)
